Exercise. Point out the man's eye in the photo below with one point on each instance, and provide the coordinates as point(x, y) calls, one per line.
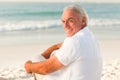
point(71, 20)
point(63, 21)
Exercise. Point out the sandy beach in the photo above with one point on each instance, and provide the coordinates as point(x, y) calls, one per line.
point(14, 57)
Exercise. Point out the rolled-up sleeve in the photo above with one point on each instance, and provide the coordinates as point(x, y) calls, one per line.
point(68, 52)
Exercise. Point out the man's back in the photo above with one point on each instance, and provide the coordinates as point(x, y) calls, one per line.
point(83, 63)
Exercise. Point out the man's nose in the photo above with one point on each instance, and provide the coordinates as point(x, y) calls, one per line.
point(66, 24)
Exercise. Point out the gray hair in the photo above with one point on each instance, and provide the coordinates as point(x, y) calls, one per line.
point(78, 9)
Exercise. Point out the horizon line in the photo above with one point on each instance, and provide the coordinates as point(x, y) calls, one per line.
point(63, 1)
point(59, 2)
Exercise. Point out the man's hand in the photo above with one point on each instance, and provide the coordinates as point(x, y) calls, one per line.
point(48, 52)
point(28, 66)
point(44, 67)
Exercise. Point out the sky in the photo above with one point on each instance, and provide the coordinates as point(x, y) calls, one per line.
point(98, 1)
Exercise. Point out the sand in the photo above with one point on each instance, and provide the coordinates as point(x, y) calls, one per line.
point(12, 59)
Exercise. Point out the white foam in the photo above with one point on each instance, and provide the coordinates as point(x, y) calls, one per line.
point(104, 22)
point(27, 25)
point(34, 25)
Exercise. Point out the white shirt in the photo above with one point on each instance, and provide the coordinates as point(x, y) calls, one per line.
point(81, 57)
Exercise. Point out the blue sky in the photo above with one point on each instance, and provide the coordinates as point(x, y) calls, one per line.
point(99, 1)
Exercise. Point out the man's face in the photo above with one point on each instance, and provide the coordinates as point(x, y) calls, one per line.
point(71, 22)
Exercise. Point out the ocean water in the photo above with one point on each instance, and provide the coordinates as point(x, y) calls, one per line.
point(32, 22)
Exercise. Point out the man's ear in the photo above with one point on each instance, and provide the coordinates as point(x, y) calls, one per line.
point(84, 21)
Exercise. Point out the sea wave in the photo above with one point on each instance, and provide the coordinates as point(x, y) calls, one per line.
point(104, 22)
point(28, 25)
point(47, 24)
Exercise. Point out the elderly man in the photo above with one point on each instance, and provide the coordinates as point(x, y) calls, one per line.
point(77, 58)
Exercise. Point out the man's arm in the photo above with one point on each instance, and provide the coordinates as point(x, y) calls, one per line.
point(48, 52)
point(50, 65)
